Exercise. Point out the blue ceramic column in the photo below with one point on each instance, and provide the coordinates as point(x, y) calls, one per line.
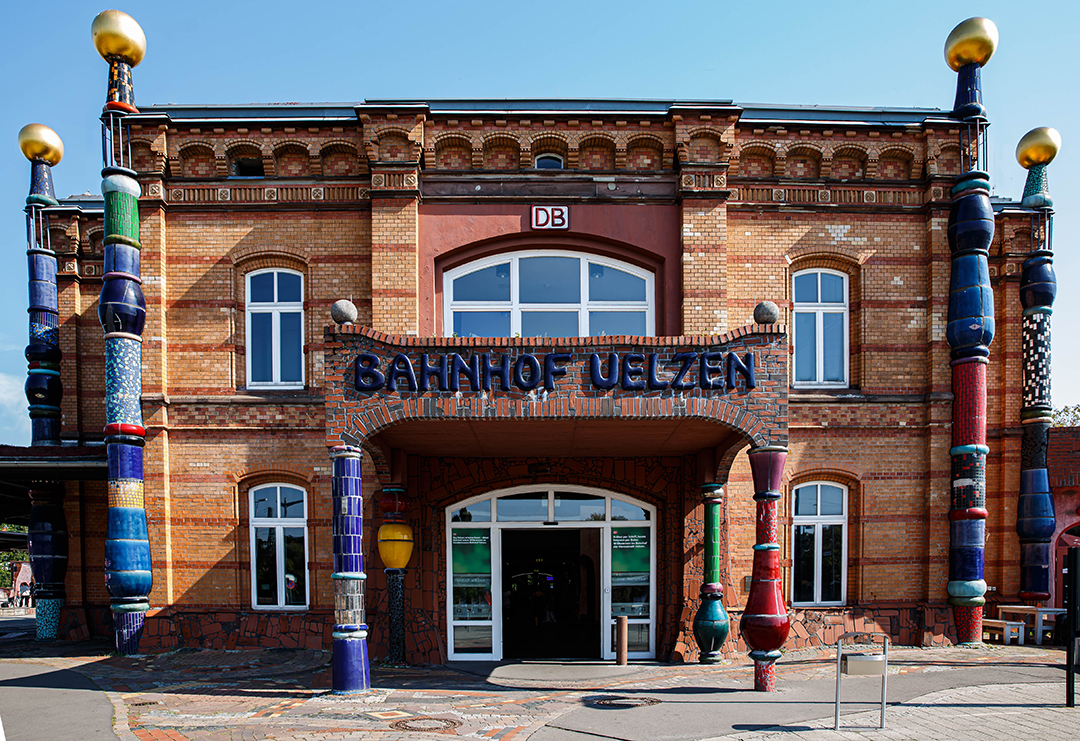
point(970, 328)
point(1035, 517)
point(350, 668)
point(122, 312)
point(48, 538)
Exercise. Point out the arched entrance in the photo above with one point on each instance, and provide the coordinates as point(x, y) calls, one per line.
point(1068, 539)
point(543, 571)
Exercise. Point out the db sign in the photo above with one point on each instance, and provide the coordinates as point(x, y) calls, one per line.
point(550, 217)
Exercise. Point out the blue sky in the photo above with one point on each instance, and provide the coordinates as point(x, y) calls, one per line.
point(858, 54)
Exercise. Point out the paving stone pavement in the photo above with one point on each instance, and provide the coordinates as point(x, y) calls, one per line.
point(283, 695)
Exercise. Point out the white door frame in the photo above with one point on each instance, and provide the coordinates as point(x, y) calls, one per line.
point(495, 529)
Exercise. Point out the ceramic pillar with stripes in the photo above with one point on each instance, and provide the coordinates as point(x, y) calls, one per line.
point(122, 313)
point(350, 668)
point(1035, 517)
point(970, 328)
point(765, 622)
point(48, 537)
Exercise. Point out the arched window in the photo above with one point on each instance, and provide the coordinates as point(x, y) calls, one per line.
point(275, 329)
point(279, 563)
point(548, 162)
point(819, 544)
point(547, 293)
point(821, 328)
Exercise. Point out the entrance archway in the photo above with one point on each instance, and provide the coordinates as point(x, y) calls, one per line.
point(1068, 539)
point(543, 571)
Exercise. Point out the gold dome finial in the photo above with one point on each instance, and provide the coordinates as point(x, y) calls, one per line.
point(117, 36)
point(1038, 147)
point(39, 142)
point(974, 40)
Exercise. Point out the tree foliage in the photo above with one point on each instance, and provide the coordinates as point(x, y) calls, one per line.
point(1067, 416)
point(7, 557)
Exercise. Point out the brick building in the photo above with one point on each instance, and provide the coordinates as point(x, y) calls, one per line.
point(551, 483)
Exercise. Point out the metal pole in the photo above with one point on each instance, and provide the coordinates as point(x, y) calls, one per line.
point(622, 630)
point(1072, 617)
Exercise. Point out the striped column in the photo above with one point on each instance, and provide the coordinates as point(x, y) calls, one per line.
point(765, 622)
point(122, 313)
point(970, 328)
point(48, 537)
point(711, 623)
point(351, 672)
point(1035, 516)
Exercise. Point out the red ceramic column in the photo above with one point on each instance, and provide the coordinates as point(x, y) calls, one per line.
point(765, 623)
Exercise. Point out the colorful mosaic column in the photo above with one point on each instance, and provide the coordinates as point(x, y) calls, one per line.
point(765, 622)
point(970, 328)
point(122, 312)
point(48, 538)
point(1035, 518)
point(350, 664)
point(711, 624)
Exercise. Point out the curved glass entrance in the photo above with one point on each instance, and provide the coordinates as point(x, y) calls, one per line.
point(542, 572)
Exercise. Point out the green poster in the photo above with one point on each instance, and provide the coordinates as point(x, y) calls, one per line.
point(629, 550)
point(471, 548)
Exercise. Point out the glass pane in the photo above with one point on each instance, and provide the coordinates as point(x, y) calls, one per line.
point(549, 280)
point(637, 637)
point(806, 501)
point(472, 639)
point(262, 288)
point(549, 324)
point(621, 511)
point(607, 323)
point(266, 581)
point(832, 289)
point(489, 284)
point(630, 572)
point(833, 342)
point(802, 564)
point(292, 502)
point(479, 512)
point(262, 348)
point(292, 350)
point(806, 288)
point(295, 566)
point(288, 287)
point(832, 562)
point(570, 506)
point(832, 500)
point(548, 162)
point(805, 346)
point(265, 502)
point(610, 284)
point(481, 323)
point(471, 568)
point(523, 508)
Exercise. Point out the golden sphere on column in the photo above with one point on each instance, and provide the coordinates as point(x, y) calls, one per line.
point(1038, 147)
point(39, 142)
point(974, 40)
point(117, 36)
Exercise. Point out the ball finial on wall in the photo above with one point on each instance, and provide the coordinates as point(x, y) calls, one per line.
point(1038, 147)
point(117, 36)
point(974, 40)
point(39, 142)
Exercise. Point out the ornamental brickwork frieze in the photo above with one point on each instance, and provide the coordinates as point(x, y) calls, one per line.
point(375, 380)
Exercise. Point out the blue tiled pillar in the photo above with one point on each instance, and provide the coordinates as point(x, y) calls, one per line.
point(351, 672)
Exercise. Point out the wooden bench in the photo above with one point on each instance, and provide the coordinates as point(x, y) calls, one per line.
point(1006, 629)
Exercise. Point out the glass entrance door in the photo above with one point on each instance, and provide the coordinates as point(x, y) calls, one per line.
point(543, 573)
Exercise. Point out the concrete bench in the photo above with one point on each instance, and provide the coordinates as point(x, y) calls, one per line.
point(1006, 629)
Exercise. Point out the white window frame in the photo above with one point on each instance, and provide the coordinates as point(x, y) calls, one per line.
point(514, 305)
point(496, 528)
point(278, 523)
point(817, 521)
point(549, 155)
point(819, 309)
point(275, 308)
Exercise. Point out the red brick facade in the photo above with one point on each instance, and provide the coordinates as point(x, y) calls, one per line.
point(721, 204)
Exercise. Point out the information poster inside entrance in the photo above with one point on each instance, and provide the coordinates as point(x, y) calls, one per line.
point(630, 572)
point(471, 564)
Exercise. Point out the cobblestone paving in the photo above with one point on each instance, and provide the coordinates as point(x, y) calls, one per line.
point(282, 694)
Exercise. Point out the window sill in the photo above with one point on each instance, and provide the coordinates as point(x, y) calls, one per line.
point(290, 608)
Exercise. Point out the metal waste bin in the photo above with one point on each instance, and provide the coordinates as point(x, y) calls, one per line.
point(861, 661)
